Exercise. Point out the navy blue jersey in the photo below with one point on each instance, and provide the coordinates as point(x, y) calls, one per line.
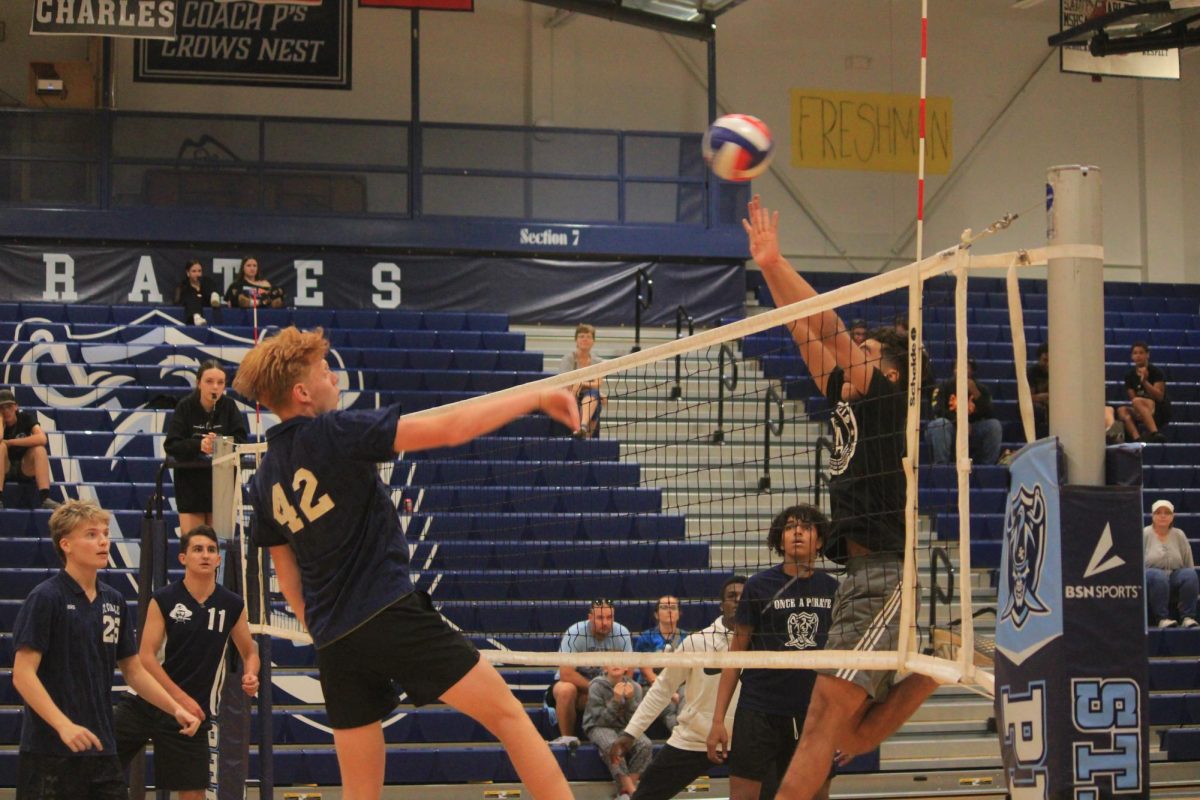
point(81, 643)
point(318, 490)
point(196, 636)
point(784, 614)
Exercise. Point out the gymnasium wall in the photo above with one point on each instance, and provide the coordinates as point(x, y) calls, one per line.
point(1014, 113)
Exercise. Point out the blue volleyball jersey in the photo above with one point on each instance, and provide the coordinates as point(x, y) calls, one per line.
point(318, 490)
point(784, 614)
point(81, 643)
point(196, 636)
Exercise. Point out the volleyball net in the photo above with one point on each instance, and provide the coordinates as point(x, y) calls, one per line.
point(701, 442)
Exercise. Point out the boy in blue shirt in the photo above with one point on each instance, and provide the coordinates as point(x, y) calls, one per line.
point(70, 634)
point(342, 560)
point(787, 608)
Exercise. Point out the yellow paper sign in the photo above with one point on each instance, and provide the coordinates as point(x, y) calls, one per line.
point(869, 132)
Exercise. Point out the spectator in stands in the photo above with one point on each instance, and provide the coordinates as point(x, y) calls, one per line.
point(1148, 406)
point(591, 395)
point(568, 695)
point(612, 699)
point(787, 608)
point(1170, 570)
point(858, 331)
point(72, 632)
point(1038, 374)
point(985, 434)
point(195, 292)
point(664, 636)
point(685, 755)
point(25, 449)
point(928, 379)
point(249, 289)
point(192, 430)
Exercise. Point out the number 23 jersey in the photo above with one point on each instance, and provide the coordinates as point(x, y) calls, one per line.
point(318, 490)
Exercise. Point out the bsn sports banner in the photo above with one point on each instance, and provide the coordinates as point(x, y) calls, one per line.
point(1071, 666)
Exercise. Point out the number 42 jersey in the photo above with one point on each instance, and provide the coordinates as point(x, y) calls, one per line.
point(318, 490)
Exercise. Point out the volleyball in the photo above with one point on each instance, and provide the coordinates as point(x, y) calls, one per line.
point(738, 147)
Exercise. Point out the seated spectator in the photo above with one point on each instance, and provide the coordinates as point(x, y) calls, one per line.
point(1148, 406)
point(192, 429)
point(249, 290)
point(858, 331)
point(195, 292)
point(1038, 374)
point(685, 755)
point(612, 699)
point(928, 379)
point(985, 430)
point(568, 695)
point(591, 395)
point(1170, 571)
point(665, 635)
point(24, 451)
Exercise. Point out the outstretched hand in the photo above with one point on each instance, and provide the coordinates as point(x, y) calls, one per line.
point(762, 228)
point(560, 405)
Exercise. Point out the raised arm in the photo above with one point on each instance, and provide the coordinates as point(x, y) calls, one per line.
point(460, 425)
point(822, 338)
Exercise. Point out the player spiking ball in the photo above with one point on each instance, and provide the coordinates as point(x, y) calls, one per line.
point(852, 711)
point(342, 560)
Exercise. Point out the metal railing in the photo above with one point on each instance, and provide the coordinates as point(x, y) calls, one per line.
point(643, 298)
point(726, 382)
point(771, 427)
point(681, 316)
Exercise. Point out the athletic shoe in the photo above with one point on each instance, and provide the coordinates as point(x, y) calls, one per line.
point(49, 504)
point(566, 741)
point(1167, 622)
point(1156, 438)
point(1188, 622)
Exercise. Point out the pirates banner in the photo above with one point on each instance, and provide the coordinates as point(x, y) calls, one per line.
point(564, 292)
point(1072, 700)
point(145, 19)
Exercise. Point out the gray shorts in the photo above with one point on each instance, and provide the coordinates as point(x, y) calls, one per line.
point(866, 618)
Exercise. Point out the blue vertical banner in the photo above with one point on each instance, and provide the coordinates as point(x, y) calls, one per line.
point(1071, 665)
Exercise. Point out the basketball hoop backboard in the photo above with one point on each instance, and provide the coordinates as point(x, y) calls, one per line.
point(1126, 37)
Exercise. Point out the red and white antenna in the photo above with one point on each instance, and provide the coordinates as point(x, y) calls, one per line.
point(921, 139)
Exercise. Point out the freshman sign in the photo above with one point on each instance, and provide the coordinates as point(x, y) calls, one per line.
point(869, 132)
point(249, 43)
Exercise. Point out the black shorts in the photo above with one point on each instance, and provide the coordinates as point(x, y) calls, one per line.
point(180, 762)
point(76, 777)
point(763, 744)
point(409, 643)
point(15, 473)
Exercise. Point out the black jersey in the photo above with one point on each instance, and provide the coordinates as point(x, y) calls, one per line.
point(866, 487)
point(196, 637)
point(318, 490)
point(785, 614)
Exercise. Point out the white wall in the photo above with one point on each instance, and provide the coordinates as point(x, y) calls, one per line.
point(503, 64)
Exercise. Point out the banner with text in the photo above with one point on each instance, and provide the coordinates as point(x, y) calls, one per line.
point(869, 132)
point(1072, 699)
point(528, 290)
point(253, 44)
point(145, 19)
point(423, 5)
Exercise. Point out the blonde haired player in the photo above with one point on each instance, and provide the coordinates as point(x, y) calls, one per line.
point(342, 560)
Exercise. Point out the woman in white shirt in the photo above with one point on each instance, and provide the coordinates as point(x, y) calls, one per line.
point(1170, 570)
